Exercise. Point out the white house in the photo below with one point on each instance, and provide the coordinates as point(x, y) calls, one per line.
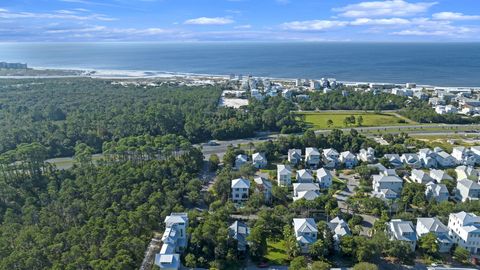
point(434, 225)
point(330, 158)
point(312, 156)
point(324, 178)
point(420, 177)
point(294, 156)
point(439, 192)
point(348, 159)
point(367, 155)
point(402, 230)
point(467, 190)
point(387, 186)
point(463, 156)
point(427, 157)
point(307, 191)
point(411, 160)
point(264, 186)
point(259, 160)
point(239, 231)
point(305, 232)
point(240, 160)
point(240, 190)
point(466, 172)
point(464, 230)
point(284, 175)
point(440, 175)
point(394, 160)
point(174, 241)
point(339, 229)
point(304, 176)
point(444, 159)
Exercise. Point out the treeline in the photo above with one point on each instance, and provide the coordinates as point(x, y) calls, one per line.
point(351, 100)
point(59, 113)
point(90, 217)
point(423, 113)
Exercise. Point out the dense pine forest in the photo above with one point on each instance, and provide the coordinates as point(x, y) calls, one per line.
point(59, 113)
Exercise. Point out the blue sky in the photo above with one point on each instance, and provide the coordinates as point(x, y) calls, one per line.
point(239, 20)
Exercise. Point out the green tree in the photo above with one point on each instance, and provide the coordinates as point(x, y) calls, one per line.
point(360, 121)
point(318, 249)
point(298, 263)
point(213, 162)
point(428, 244)
point(329, 123)
point(461, 254)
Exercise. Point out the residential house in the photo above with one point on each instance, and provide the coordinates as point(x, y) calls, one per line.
point(439, 175)
point(427, 157)
point(330, 158)
point(367, 155)
point(411, 160)
point(476, 153)
point(305, 232)
point(304, 176)
point(312, 156)
point(466, 172)
point(324, 178)
point(402, 230)
point(174, 241)
point(307, 191)
point(239, 231)
point(339, 229)
point(444, 159)
point(467, 190)
point(348, 159)
point(294, 156)
point(240, 160)
point(435, 226)
point(240, 190)
point(464, 230)
point(387, 186)
point(259, 160)
point(284, 175)
point(420, 177)
point(463, 156)
point(264, 186)
point(394, 160)
point(438, 192)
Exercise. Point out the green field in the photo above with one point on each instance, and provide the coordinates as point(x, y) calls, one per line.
point(276, 252)
point(318, 120)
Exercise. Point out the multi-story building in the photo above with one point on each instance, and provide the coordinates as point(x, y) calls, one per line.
point(305, 232)
point(174, 241)
point(464, 230)
point(402, 230)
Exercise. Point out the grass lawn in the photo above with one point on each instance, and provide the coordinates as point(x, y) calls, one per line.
point(318, 120)
point(276, 252)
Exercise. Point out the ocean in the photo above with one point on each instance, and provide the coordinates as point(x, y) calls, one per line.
point(442, 64)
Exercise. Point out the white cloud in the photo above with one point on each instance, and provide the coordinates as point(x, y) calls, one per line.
point(283, 2)
point(63, 15)
point(244, 26)
point(390, 21)
point(454, 16)
point(431, 28)
point(397, 8)
point(314, 25)
point(210, 21)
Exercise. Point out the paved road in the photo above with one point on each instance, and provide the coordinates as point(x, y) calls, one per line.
point(221, 148)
